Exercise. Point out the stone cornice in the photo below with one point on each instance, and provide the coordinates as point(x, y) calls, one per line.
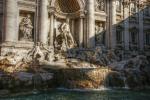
point(26, 5)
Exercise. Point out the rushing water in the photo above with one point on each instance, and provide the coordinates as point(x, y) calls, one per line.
point(82, 95)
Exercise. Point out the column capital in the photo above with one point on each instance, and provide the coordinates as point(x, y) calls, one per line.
point(82, 14)
point(51, 9)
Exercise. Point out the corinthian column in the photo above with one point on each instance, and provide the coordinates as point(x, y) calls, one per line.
point(141, 30)
point(91, 24)
point(52, 23)
point(11, 21)
point(81, 32)
point(43, 35)
point(126, 25)
point(113, 24)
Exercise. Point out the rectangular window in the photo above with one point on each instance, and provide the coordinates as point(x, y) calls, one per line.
point(119, 36)
point(146, 11)
point(147, 38)
point(134, 38)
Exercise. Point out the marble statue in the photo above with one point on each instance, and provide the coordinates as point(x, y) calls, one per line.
point(34, 54)
point(65, 39)
point(132, 7)
point(97, 54)
point(118, 5)
point(49, 53)
point(26, 28)
point(99, 33)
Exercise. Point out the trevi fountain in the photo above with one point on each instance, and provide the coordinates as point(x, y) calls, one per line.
point(74, 50)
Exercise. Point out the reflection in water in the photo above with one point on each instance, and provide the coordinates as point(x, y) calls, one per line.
point(95, 95)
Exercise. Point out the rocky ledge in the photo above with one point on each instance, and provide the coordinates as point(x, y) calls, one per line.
point(72, 71)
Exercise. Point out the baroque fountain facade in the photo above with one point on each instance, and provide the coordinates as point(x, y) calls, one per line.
point(81, 42)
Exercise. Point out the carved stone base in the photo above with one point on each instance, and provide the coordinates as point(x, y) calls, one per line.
point(16, 48)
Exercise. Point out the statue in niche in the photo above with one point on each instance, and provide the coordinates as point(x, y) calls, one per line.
point(26, 28)
point(118, 5)
point(133, 7)
point(65, 39)
point(99, 29)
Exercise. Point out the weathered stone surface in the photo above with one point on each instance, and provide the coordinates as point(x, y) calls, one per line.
point(48, 40)
point(88, 78)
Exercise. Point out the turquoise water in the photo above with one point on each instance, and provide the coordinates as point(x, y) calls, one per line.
point(93, 95)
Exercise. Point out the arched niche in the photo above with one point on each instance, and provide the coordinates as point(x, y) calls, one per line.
point(80, 2)
point(68, 8)
point(63, 9)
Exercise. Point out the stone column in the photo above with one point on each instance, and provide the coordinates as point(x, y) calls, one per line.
point(11, 21)
point(113, 24)
point(43, 35)
point(141, 30)
point(81, 32)
point(51, 35)
point(107, 35)
point(126, 27)
point(91, 24)
point(72, 27)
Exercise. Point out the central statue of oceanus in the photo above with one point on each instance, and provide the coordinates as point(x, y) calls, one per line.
point(65, 39)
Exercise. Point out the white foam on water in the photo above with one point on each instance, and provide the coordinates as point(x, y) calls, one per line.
point(85, 90)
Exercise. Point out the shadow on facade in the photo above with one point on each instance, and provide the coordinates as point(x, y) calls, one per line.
point(128, 38)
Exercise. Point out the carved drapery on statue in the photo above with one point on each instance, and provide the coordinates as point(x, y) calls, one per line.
point(64, 40)
point(25, 29)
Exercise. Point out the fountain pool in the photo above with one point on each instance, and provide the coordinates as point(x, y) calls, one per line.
point(84, 95)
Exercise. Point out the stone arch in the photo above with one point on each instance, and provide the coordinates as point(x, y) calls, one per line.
point(81, 3)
